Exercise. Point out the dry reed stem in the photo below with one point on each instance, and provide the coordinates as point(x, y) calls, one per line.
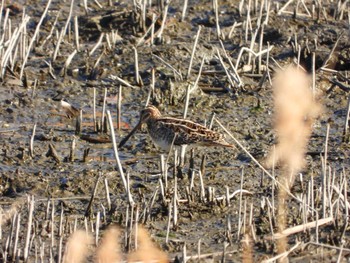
point(300, 228)
point(147, 251)
point(77, 247)
point(295, 111)
point(109, 249)
point(247, 246)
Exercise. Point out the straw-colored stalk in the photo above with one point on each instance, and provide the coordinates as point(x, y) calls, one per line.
point(147, 251)
point(295, 111)
point(77, 247)
point(247, 247)
point(109, 249)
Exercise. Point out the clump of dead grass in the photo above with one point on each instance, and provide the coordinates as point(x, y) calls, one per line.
point(295, 112)
point(147, 251)
point(109, 249)
point(77, 247)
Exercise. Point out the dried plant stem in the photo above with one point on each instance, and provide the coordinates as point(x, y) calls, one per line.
point(195, 85)
point(324, 175)
point(12, 45)
point(88, 209)
point(72, 150)
point(97, 227)
point(193, 51)
point(59, 40)
point(15, 244)
point(1, 10)
point(282, 211)
point(67, 63)
point(234, 69)
point(174, 199)
point(34, 38)
point(313, 74)
point(260, 47)
point(164, 16)
point(226, 71)
point(137, 75)
point(99, 42)
point(125, 83)
point(283, 256)
point(184, 9)
point(116, 155)
point(52, 224)
point(94, 110)
point(216, 12)
point(142, 40)
point(346, 124)
point(31, 146)
point(104, 110)
point(63, 31)
point(251, 51)
point(296, 229)
point(187, 100)
point(76, 34)
point(119, 108)
point(240, 207)
point(168, 65)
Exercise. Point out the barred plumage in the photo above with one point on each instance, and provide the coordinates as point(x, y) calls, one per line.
point(165, 130)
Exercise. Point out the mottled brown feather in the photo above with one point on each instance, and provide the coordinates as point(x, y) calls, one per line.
point(163, 130)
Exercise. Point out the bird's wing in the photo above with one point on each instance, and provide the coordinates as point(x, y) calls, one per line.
point(189, 132)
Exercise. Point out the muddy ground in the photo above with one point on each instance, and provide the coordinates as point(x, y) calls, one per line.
point(245, 110)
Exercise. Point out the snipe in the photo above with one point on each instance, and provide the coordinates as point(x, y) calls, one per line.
point(165, 130)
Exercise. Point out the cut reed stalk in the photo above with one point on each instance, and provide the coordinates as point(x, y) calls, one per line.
point(184, 9)
point(97, 227)
point(176, 73)
point(67, 63)
point(119, 108)
point(137, 75)
point(234, 69)
point(72, 150)
point(174, 203)
point(193, 52)
point(76, 34)
point(296, 229)
point(31, 145)
point(142, 39)
point(217, 23)
point(36, 32)
point(104, 109)
point(240, 206)
point(52, 224)
point(16, 237)
point(92, 198)
point(116, 155)
point(225, 69)
point(324, 175)
point(97, 45)
point(108, 198)
point(202, 187)
point(164, 17)
point(187, 101)
point(346, 124)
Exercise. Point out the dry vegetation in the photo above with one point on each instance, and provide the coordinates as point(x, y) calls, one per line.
point(272, 75)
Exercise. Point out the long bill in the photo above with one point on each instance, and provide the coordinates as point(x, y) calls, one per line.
point(122, 142)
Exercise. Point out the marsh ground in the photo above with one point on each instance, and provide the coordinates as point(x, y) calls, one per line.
point(246, 111)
